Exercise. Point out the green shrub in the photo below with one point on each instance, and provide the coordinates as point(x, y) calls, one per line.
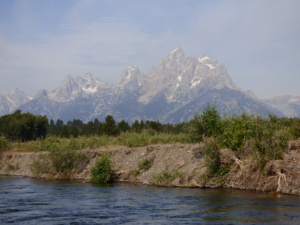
point(4, 143)
point(40, 165)
point(212, 160)
point(206, 124)
point(64, 159)
point(239, 129)
point(166, 177)
point(48, 142)
point(102, 171)
point(144, 165)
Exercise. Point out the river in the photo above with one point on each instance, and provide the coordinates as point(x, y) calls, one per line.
point(29, 201)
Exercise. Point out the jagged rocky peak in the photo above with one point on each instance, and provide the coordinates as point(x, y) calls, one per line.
point(69, 81)
point(172, 91)
point(16, 93)
point(68, 90)
point(173, 63)
point(69, 85)
point(18, 97)
point(131, 72)
point(131, 77)
point(91, 84)
point(182, 80)
point(251, 94)
point(204, 58)
point(176, 54)
point(41, 93)
point(207, 61)
point(88, 79)
point(88, 83)
point(289, 105)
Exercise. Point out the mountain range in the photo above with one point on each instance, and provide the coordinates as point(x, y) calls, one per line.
point(173, 91)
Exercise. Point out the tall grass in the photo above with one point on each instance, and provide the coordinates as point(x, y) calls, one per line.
point(130, 139)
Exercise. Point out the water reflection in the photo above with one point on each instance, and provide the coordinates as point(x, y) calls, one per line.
point(25, 201)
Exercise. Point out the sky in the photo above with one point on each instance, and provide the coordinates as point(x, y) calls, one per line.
point(41, 42)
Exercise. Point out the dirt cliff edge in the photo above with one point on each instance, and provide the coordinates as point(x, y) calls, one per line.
point(280, 176)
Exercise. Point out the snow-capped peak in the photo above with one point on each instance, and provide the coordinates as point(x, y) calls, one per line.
point(176, 50)
point(131, 79)
point(130, 70)
point(68, 90)
point(18, 97)
point(206, 60)
point(173, 91)
point(88, 78)
point(177, 54)
point(89, 84)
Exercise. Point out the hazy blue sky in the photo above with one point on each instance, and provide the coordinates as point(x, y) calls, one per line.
point(43, 41)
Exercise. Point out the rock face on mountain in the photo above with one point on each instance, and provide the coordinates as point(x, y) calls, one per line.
point(288, 105)
point(12, 101)
point(173, 91)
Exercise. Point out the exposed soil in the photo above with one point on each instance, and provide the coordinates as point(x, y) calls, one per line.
point(280, 176)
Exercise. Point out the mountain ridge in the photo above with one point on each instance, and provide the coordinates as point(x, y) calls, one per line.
point(173, 91)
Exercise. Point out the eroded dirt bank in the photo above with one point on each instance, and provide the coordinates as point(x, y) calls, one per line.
point(282, 176)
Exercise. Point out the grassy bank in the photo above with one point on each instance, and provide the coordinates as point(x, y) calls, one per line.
point(129, 139)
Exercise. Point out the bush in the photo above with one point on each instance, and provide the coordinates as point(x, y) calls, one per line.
point(166, 177)
point(212, 160)
point(65, 159)
point(102, 172)
point(4, 143)
point(206, 124)
point(40, 165)
point(48, 142)
point(144, 165)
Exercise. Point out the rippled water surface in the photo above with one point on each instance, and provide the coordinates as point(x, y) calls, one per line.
point(26, 201)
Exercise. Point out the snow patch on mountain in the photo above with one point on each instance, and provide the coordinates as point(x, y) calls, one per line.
point(90, 90)
point(195, 82)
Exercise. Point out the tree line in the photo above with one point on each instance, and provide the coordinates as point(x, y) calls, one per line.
point(23, 127)
point(233, 130)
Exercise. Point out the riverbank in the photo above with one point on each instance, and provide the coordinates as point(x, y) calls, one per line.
point(185, 160)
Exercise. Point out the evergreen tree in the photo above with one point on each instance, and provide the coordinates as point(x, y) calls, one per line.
point(41, 126)
point(123, 126)
point(59, 125)
point(65, 132)
point(74, 131)
point(52, 128)
point(110, 127)
point(135, 127)
point(89, 129)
